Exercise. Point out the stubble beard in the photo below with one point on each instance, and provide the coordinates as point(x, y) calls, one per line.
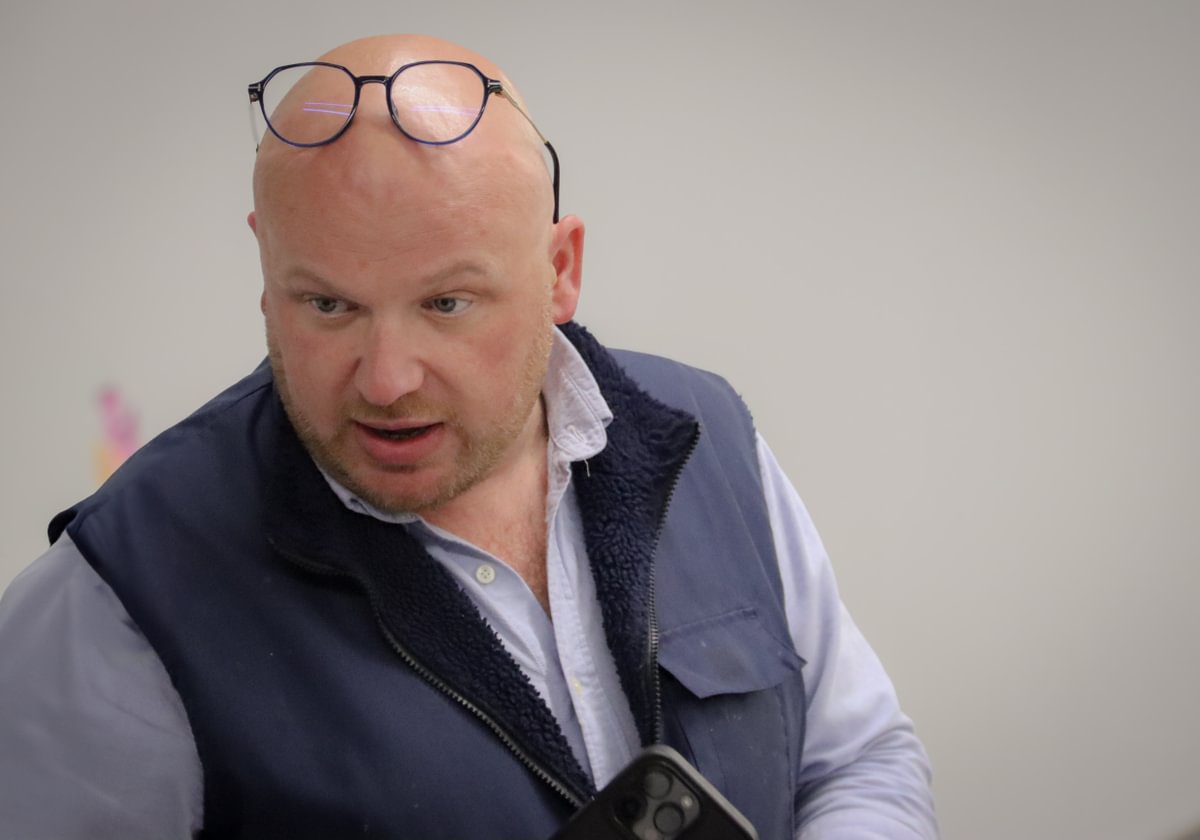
point(479, 454)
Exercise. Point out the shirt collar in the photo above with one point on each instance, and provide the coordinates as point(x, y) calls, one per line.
point(576, 416)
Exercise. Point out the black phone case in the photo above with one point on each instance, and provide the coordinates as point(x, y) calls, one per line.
point(658, 796)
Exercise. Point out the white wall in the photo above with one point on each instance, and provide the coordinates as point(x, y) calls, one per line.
point(948, 252)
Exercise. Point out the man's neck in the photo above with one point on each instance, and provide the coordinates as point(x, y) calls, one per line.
point(505, 513)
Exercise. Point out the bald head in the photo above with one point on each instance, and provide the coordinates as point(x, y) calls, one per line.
point(502, 157)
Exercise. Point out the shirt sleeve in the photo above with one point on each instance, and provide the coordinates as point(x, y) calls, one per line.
point(94, 740)
point(865, 775)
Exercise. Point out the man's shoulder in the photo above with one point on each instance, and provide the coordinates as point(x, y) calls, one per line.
point(255, 384)
point(213, 432)
point(654, 369)
point(683, 386)
point(214, 447)
point(677, 384)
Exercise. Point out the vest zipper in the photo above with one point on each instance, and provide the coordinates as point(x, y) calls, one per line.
point(652, 647)
point(424, 673)
point(558, 787)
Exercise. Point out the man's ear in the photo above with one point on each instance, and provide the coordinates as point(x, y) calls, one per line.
point(252, 220)
point(566, 255)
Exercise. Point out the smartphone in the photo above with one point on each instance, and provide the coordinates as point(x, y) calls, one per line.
point(658, 796)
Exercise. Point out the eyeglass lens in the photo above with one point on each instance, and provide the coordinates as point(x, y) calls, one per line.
point(434, 102)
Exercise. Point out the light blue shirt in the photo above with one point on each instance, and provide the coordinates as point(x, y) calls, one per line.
point(95, 742)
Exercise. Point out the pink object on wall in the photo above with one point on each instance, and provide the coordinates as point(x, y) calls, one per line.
point(119, 432)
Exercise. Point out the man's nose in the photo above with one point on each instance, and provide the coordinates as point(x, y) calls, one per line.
point(389, 366)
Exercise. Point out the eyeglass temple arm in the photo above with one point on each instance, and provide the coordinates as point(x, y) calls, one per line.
point(255, 91)
point(497, 87)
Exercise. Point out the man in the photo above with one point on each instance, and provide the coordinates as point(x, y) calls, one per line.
point(443, 566)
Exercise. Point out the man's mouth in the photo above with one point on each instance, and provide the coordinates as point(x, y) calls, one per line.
point(400, 434)
point(407, 433)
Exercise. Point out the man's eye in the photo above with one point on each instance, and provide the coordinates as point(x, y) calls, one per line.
point(448, 305)
point(327, 305)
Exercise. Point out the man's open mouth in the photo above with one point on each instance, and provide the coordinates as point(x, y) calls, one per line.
point(400, 434)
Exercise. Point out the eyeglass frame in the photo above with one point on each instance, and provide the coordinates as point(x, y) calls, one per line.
point(490, 86)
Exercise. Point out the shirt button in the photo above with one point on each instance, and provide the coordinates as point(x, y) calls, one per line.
point(485, 574)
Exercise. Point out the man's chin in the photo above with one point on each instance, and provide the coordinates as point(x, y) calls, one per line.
point(400, 490)
point(413, 488)
point(389, 488)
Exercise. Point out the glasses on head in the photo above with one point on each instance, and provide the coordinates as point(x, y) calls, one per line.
point(432, 102)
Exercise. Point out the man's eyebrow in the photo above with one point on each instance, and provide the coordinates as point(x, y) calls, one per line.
point(305, 277)
point(312, 281)
point(456, 269)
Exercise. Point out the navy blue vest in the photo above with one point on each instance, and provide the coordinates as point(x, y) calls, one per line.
point(338, 682)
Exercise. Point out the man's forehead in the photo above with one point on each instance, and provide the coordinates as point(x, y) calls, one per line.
point(381, 55)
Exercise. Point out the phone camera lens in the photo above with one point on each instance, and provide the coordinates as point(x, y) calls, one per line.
point(656, 784)
point(668, 819)
point(630, 807)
